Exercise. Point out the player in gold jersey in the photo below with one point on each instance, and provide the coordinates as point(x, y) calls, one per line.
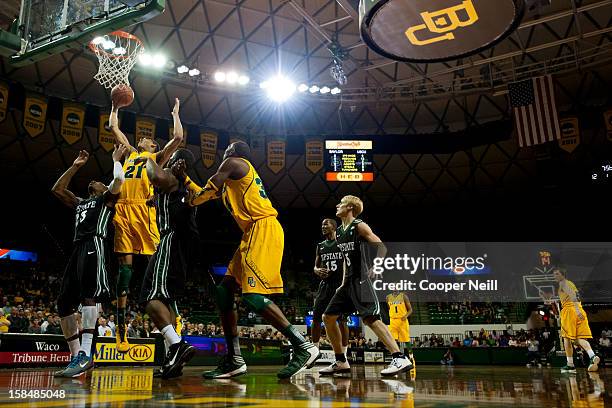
point(255, 267)
point(574, 323)
point(135, 221)
point(399, 311)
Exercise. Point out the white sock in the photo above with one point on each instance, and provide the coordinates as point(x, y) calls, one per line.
point(344, 349)
point(170, 335)
point(591, 353)
point(317, 344)
point(570, 361)
point(167, 344)
point(74, 347)
point(86, 344)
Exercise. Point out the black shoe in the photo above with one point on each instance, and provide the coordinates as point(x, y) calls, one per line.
point(178, 355)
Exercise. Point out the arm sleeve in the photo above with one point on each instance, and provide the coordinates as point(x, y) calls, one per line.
point(209, 192)
point(118, 179)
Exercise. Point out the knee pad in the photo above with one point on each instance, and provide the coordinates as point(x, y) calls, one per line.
point(224, 298)
point(256, 302)
point(90, 314)
point(123, 279)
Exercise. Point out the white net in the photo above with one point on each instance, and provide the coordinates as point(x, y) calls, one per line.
point(117, 53)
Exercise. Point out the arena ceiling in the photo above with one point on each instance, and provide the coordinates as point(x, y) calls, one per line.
point(570, 38)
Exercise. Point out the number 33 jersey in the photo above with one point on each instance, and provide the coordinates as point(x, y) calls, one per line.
point(246, 199)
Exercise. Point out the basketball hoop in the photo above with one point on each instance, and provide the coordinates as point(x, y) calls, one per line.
point(117, 53)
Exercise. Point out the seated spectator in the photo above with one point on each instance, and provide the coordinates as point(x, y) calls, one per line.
point(103, 329)
point(456, 342)
point(475, 342)
point(34, 327)
point(4, 322)
point(604, 341)
point(503, 341)
point(145, 330)
point(533, 352)
point(512, 342)
point(491, 342)
point(54, 326)
point(467, 342)
point(447, 359)
point(111, 323)
point(154, 329)
point(369, 344)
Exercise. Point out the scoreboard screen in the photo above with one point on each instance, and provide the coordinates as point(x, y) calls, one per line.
point(348, 160)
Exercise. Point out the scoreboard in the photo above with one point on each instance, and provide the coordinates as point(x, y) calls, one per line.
point(348, 160)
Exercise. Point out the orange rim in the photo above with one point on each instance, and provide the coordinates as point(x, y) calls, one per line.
point(94, 48)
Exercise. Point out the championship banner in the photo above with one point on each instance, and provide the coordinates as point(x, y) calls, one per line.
point(276, 156)
point(145, 127)
point(4, 92)
point(73, 118)
point(106, 139)
point(208, 144)
point(35, 114)
point(608, 118)
point(570, 134)
point(314, 155)
point(171, 135)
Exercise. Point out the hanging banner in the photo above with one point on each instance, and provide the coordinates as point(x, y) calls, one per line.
point(570, 134)
point(73, 118)
point(145, 128)
point(106, 139)
point(608, 119)
point(276, 156)
point(35, 114)
point(314, 155)
point(4, 92)
point(171, 135)
point(208, 144)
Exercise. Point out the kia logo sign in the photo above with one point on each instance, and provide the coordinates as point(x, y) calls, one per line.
point(35, 110)
point(140, 352)
point(436, 30)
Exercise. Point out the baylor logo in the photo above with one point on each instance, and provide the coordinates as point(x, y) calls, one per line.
point(251, 282)
point(442, 22)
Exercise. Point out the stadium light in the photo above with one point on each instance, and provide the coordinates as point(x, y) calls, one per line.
point(219, 76)
point(314, 89)
point(194, 72)
point(279, 89)
point(541, 313)
point(98, 40)
point(243, 80)
point(183, 69)
point(335, 91)
point(231, 78)
point(303, 88)
point(159, 60)
point(325, 90)
point(145, 59)
point(108, 45)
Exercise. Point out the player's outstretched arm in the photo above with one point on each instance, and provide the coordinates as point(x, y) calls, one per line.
point(160, 178)
point(60, 188)
point(212, 189)
point(120, 137)
point(119, 153)
point(177, 137)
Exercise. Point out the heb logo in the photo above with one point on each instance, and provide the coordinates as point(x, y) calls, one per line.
point(139, 353)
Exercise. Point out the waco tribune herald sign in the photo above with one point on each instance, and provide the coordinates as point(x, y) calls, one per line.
point(24, 350)
point(436, 30)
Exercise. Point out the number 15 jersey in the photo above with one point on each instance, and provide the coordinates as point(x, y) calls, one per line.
point(332, 259)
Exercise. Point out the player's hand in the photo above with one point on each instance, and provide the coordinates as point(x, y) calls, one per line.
point(119, 152)
point(322, 273)
point(81, 159)
point(177, 106)
point(371, 274)
point(179, 169)
point(152, 201)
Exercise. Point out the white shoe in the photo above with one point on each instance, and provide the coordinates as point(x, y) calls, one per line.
point(397, 365)
point(594, 361)
point(336, 368)
point(399, 387)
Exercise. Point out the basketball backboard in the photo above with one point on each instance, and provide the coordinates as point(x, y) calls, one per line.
point(47, 27)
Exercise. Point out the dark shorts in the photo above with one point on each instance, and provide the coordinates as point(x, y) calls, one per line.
point(86, 275)
point(348, 300)
point(324, 295)
point(167, 270)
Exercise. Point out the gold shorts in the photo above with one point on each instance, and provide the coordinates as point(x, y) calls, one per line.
point(571, 327)
point(135, 229)
point(400, 330)
point(257, 261)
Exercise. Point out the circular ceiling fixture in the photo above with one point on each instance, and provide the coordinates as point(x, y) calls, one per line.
point(436, 30)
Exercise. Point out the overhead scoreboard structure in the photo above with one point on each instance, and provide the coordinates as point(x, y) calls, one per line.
point(349, 160)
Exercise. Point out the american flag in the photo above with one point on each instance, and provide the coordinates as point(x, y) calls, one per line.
point(535, 111)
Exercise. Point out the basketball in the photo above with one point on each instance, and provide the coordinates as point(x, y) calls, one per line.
point(122, 96)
